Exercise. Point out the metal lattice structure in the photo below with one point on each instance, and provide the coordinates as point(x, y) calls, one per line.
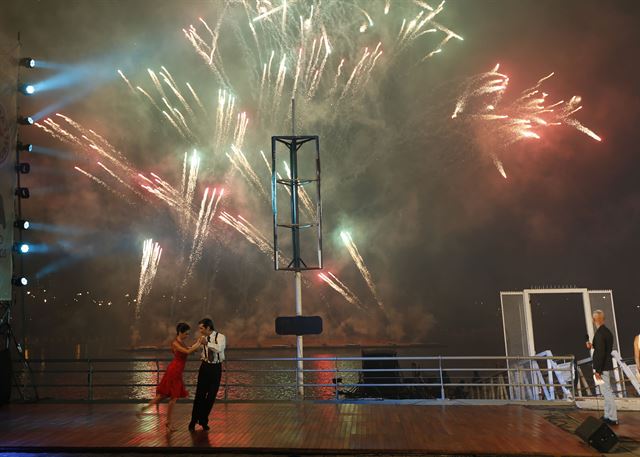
point(295, 183)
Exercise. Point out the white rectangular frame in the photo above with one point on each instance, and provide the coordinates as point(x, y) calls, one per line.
point(586, 304)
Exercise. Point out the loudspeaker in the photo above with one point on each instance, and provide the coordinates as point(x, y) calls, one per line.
point(299, 325)
point(5, 376)
point(597, 434)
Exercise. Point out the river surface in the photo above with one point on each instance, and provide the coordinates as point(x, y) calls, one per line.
point(249, 374)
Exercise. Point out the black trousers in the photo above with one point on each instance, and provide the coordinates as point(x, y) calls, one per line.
point(209, 377)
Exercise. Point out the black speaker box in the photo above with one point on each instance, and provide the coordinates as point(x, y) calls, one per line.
point(597, 434)
point(299, 325)
point(5, 376)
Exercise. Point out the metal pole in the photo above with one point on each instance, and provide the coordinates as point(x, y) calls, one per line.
point(226, 382)
point(442, 396)
point(336, 378)
point(574, 367)
point(18, 211)
point(296, 253)
point(90, 381)
point(299, 343)
point(293, 116)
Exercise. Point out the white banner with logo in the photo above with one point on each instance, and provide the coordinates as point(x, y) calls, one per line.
point(8, 132)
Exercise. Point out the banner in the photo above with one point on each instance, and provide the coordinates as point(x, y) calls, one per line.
point(8, 138)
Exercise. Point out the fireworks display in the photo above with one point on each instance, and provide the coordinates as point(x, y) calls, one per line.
point(359, 261)
point(332, 57)
point(311, 50)
point(341, 288)
point(524, 117)
point(208, 210)
point(251, 234)
point(316, 51)
point(151, 253)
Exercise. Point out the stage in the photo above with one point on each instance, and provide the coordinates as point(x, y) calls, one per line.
point(305, 428)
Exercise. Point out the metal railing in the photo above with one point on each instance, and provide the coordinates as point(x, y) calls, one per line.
point(625, 382)
point(542, 378)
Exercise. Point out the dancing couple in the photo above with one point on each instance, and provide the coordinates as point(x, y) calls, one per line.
point(212, 345)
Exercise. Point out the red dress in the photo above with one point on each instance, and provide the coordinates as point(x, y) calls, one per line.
point(171, 384)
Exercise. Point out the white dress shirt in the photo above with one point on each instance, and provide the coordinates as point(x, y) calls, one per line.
point(213, 351)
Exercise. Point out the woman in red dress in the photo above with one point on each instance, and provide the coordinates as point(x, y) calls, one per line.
point(171, 386)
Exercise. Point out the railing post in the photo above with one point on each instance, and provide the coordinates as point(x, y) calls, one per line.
point(574, 366)
point(335, 379)
point(157, 371)
point(442, 395)
point(516, 384)
point(90, 380)
point(552, 388)
point(520, 383)
point(226, 384)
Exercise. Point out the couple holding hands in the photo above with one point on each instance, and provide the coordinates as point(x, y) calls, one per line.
point(212, 345)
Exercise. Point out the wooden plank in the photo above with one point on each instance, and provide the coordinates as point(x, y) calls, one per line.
point(277, 427)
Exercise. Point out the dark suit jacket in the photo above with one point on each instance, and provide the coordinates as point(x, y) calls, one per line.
point(602, 347)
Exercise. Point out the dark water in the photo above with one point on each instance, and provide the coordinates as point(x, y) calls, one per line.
point(249, 374)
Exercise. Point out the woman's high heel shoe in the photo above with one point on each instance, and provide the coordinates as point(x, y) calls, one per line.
point(140, 411)
point(169, 428)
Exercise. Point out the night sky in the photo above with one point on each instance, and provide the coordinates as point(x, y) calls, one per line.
point(441, 231)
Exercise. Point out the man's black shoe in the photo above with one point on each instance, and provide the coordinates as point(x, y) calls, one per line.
point(610, 421)
point(205, 427)
point(192, 426)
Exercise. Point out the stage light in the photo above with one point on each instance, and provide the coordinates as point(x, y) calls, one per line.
point(23, 168)
point(28, 62)
point(22, 192)
point(25, 120)
point(25, 147)
point(28, 89)
point(21, 224)
point(22, 248)
point(19, 281)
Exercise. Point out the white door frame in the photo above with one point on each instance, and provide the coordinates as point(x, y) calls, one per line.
point(586, 305)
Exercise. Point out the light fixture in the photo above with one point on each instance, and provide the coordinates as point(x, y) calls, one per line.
point(22, 248)
point(23, 167)
point(22, 192)
point(25, 146)
point(21, 224)
point(25, 120)
point(28, 62)
point(27, 89)
point(19, 281)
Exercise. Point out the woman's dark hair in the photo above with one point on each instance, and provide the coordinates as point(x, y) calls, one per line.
point(182, 327)
point(206, 322)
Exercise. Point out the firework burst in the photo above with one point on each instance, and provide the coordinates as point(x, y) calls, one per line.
point(341, 288)
point(362, 267)
point(481, 103)
point(208, 209)
point(151, 253)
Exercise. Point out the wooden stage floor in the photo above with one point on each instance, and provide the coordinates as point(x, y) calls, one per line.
point(295, 428)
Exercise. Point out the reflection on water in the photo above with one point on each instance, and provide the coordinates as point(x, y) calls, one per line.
point(246, 376)
point(144, 377)
point(137, 379)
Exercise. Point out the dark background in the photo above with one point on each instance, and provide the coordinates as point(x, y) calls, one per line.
point(441, 231)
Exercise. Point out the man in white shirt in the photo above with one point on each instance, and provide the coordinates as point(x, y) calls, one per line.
point(209, 375)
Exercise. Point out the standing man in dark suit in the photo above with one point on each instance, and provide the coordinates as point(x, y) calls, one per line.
point(209, 375)
point(602, 346)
